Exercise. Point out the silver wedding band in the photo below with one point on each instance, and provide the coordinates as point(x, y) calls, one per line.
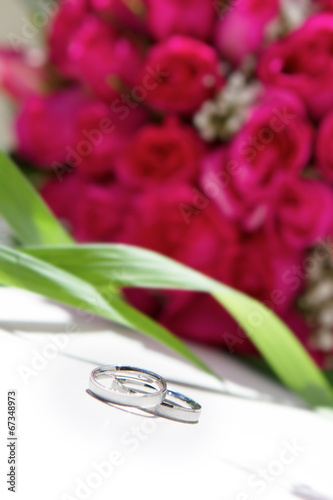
point(114, 393)
point(142, 389)
point(178, 407)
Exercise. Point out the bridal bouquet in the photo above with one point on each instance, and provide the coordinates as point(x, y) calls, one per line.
point(198, 129)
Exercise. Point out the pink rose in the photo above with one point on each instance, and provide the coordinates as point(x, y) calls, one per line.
point(325, 4)
point(189, 74)
point(198, 317)
point(324, 148)
point(103, 59)
point(184, 225)
point(90, 136)
point(184, 17)
point(93, 212)
point(261, 269)
point(128, 14)
point(241, 28)
point(45, 127)
point(101, 212)
point(218, 182)
point(92, 51)
point(61, 30)
point(303, 62)
point(159, 153)
point(273, 143)
point(296, 212)
point(178, 221)
point(301, 213)
point(275, 140)
point(21, 74)
point(101, 137)
point(61, 197)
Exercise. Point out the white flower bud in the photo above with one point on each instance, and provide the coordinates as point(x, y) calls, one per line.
point(325, 317)
point(320, 293)
point(323, 340)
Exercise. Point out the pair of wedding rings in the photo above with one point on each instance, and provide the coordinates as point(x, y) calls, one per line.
point(128, 386)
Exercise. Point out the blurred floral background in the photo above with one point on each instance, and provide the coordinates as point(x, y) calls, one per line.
point(199, 129)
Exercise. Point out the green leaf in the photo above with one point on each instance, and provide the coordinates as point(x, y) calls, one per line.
point(279, 346)
point(25, 211)
point(130, 266)
point(23, 271)
point(73, 274)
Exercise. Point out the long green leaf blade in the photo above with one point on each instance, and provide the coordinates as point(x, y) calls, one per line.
point(23, 271)
point(130, 266)
point(25, 211)
point(281, 349)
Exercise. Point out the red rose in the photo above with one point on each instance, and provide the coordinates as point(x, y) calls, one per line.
point(92, 51)
point(100, 214)
point(241, 28)
point(94, 212)
point(101, 137)
point(325, 4)
point(198, 317)
point(324, 148)
point(159, 153)
point(181, 223)
point(178, 221)
point(188, 72)
point(102, 58)
point(292, 210)
point(275, 142)
point(45, 127)
point(218, 182)
point(61, 197)
point(184, 17)
point(128, 14)
point(300, 211)
point(61, 30)
point(303, 62)
point(259, 267)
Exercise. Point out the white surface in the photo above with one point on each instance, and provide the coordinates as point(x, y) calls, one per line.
point(63, 432)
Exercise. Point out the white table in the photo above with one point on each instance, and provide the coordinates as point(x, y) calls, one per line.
point(72, 446)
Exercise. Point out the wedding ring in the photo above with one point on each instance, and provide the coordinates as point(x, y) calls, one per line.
point(178, 407)
point(153, 386)
point(175, 406)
